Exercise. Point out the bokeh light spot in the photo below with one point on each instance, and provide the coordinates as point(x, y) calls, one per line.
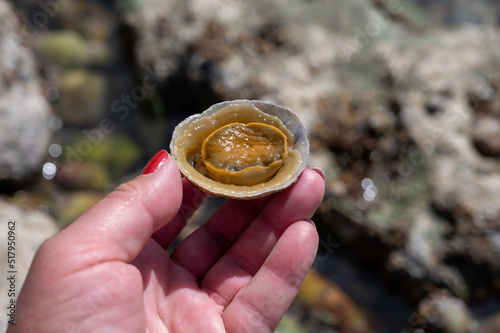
point(52, 94)
point(49, 170)
point(55, 123)
point(55, 150)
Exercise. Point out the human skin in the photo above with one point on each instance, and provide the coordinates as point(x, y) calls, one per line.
point(109, 271)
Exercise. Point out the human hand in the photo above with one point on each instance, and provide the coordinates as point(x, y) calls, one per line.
point(109, 271)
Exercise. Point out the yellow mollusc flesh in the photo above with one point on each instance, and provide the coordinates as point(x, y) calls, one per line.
point(244, 154)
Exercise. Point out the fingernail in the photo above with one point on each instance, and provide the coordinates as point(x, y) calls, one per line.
point(156, 162)
point(319, 171)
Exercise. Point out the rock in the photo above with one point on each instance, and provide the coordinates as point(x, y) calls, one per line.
point(467, 197)
point(82, 97)
point(447, 314)
point(434, 109)
point(486, 135)
point(85, 35)
point(423, 242)
point(453, 13)
point(94, 21)
point(116, 153)
point(69, 207)
point(338, 309)
point(24, 111)
point(423, 255)
point(289, 325)
point(254, 49)
point(86, 176)
point(491, 325)
point(410, 114)
point(31, 229)
point(435, 210)
point(65, 48)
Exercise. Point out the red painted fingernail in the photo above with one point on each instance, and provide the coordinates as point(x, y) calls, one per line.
point(320, 172)
point(156, 162)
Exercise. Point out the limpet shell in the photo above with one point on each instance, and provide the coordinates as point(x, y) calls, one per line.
point(241, 149)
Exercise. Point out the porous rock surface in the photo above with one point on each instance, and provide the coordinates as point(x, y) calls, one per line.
point(416, 114)
point(24, 111)
point(30, 228)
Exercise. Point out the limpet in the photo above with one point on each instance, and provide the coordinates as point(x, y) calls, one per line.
point(241, 149)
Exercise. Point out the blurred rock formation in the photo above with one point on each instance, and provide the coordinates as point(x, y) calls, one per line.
point(24, 111)
point(31, 228)
point(404, 124)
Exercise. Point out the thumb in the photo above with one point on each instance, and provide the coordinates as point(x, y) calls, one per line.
point(119, 226)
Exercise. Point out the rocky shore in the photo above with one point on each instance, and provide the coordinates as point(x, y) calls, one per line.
point(401, 100)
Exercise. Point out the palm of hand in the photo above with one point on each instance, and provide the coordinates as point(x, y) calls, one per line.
point(239, 279)
point(173, 298)
point(206, 290)
point(164, 297)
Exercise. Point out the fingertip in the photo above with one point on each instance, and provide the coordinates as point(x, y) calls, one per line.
point(303, 237)
point(312, 222)
point(161, 191)
point(314, 176)
point(276, 283)
point(313, 184)
point(305, 234)
point(318, 180)
point(319, 172)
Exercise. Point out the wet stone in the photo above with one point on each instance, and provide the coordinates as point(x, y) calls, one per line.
point(486, 135)
point(24, 111)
